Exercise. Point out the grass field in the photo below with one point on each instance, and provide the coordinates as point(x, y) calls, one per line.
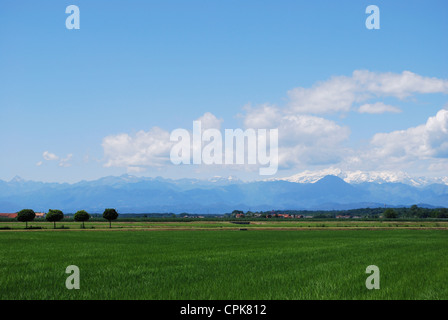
point(224, 264)
point(227, 225)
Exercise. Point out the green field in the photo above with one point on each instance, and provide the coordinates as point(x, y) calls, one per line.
point(224, 264)
point(226, 225)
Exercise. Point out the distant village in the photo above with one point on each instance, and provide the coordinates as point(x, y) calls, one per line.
point(413, 211)
point(14, 215)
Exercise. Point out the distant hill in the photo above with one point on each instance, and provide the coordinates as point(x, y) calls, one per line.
point(130, 194)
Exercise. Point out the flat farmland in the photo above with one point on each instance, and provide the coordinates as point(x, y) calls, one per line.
point(225, 264)
point(226, 225)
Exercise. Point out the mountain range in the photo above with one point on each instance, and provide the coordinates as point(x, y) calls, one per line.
point(131, 194)
point(358, 176)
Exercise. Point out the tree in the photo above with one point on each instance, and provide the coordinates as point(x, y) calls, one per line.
point(26, 215)
point(390, 214)
point(110, 214)
point(82, 216)
point(415, 210)
point(54, 215)
point(443, 213)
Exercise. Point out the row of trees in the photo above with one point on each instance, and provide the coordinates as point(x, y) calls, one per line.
point(413, 212)
point(54, 215)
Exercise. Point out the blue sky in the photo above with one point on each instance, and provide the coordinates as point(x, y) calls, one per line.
point(66, 95)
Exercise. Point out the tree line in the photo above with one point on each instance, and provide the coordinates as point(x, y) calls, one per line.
point(55, 215)
point(413, 212)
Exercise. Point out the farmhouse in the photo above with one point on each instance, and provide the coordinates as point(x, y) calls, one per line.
point(283, 215)
point(8, 215)
point(14, 215)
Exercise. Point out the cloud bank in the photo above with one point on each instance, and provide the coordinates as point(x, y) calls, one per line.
point(308, 136)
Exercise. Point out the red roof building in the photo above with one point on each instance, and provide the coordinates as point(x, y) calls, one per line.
point(14, 215)
point(8, 215)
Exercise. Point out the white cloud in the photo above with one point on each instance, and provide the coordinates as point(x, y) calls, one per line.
point(397, 85)
point(146, 148)
point(335, 95)
point(133, 169)
point(377, 108)
point(65, 161)
point(306, 138)
point(151, 148)
point(50, 156)
point(439, 166)
point(429, 140)
point(264, 116)
point(209, 121)
point(303, 139)
point(340, 93)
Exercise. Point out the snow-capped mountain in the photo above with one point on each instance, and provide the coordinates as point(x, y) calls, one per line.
point(325, 190)
point(359, 176)
point(228, 179)
point(17, 179)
